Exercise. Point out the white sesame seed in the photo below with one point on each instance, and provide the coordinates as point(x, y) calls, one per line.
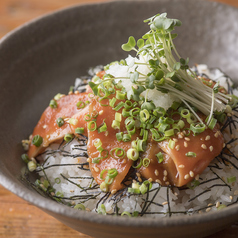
point(156, 172)
point(140, 179)
point(218, 204)
point(236, 192)
point(76, 92)
point(210, 205)
point(216, 134)
point(177, 147)
point(191, 173)
point(138, 174)
point(158, 181)
point(44, 126)
point(164, 203)
point(175, 140)
point(185, 144)
point(150, 180)
point(208, 209)
point(167, 183)
point(165, 173)
point(96, 169)
point(113, 191)
point(211, 148)
point(164, 178)
point(186, 176)
point(88, 209)
point(100, 112)
point(197, 177)
point(228, 146)
point(187, 138)
point(180, 135)
point(207, 138)
point(181, 166)
point(88, 160)
point(231, 198)
point(204, 146)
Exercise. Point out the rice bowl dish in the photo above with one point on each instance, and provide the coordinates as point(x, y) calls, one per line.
point(66, 167)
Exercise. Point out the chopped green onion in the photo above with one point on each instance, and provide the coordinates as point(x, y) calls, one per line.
point(118, 153)
point(79, 130)
point(87, 117)
point(221, 207)
point(125, 113)
point(146, 162)
point(104, 187)
point(144, 115)
point(112, 173)
point(145, 186)
point(25, 158)
point(126, 214)
point(126, 138)
point(68, 137)
point(129, 123)
point(37, 140)
point(31, 166)
point(160, 157)
point(118, 116)
point(128, 104)
point(79, 206)
point(58, 96)
point(132, 154)
point(80, 104)
point(231, 179)
point(120, 95)
point(92, 126)
point(96, 160)
point(102, 174)
point(197, 128)
point(103, 153)
point(73, 121)
point(169, 133)
point(57, 180)
point(181, 124)
point(53, 104)
point(112, 102)
point(116, 125)
point(190, 154)
point(118, 106)
point(60, 121)
point(119, 136)
point(191, 119)
point(102, 209)
point(138, 165)
point(171, 144)
point(97, 143)
point(185, 113)
point(102, 128)
point(212, 123)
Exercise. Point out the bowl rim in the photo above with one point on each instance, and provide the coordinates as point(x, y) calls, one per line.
point(54, 208)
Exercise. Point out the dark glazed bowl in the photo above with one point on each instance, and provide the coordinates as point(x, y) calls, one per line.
point(45, 56)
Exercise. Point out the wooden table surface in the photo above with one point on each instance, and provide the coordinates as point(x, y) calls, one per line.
point(18, 218)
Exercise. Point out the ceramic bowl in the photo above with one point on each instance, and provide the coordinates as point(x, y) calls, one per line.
point(44, 57)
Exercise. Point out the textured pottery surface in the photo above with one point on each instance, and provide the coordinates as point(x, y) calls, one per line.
point(45, 56)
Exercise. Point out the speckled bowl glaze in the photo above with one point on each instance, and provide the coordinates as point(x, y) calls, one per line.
point(45, 56)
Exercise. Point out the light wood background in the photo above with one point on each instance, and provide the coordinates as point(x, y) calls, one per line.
point(18, 218)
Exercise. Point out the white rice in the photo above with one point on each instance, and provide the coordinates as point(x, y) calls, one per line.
point(167, 201)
